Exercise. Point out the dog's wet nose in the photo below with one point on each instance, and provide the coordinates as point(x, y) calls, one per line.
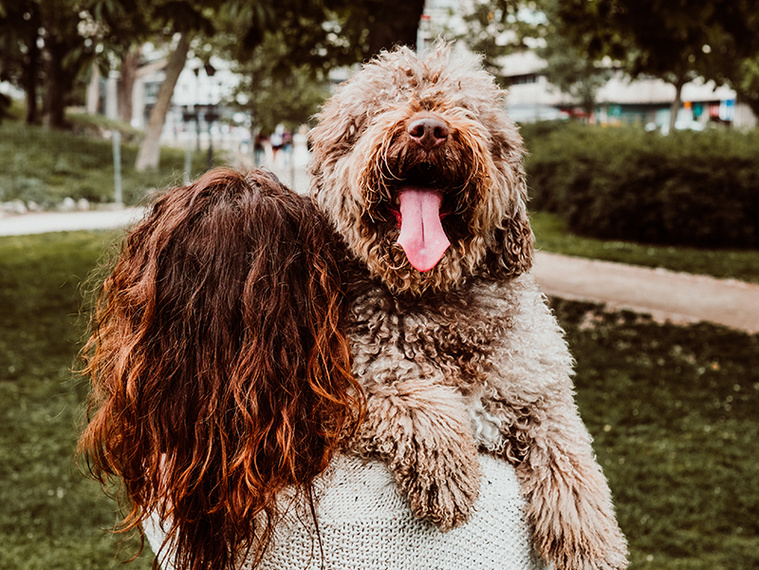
point(428, 132)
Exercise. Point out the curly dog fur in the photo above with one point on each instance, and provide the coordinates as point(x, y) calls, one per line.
point(465, 355)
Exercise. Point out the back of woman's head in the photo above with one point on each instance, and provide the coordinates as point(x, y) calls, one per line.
point(220, 374)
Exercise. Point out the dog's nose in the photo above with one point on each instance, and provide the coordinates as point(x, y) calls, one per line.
point(428, 132)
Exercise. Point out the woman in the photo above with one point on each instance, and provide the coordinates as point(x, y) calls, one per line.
point(222, 393)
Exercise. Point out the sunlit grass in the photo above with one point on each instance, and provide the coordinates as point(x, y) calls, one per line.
point(551, 235)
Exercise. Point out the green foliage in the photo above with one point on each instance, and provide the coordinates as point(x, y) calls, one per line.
point(45, 166)
point(570, 69)
point(672, 410)
point(695, 189)
point(747, 85)
point(496, 28)
point(675, 41)
point(275, 89)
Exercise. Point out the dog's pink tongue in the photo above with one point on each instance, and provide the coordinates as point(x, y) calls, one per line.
point(422, 237)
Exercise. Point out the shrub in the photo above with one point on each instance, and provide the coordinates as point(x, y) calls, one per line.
point(45, 166)
point(697, 189)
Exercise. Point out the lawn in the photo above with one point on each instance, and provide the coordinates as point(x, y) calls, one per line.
point(551, 235)
point(45, 166)
point(51, 516)
point(673, 411)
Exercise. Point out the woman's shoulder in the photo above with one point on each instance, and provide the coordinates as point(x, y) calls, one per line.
point(363, 522)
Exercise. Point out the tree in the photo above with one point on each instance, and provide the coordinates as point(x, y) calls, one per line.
point(150, 148)
point(274, 90)
point(747, 84)
point(19, 50)
point(319, 34)
point(573, 73)
point(391, 22)
point(184, 19)
point(674, 41)
point(497, 28)
point(47, 44)
point(66, 53)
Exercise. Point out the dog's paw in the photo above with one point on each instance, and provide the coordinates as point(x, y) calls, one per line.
point(585, 549)
point(614, 557)
point(442, 488)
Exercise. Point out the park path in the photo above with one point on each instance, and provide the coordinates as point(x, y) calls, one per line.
point(666, 295)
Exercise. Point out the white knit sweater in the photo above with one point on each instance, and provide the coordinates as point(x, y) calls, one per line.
point(365, 524)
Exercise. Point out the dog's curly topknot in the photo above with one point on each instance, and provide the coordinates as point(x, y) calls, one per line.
point(365, 153)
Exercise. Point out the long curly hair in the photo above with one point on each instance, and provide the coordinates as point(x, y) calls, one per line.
point(220, 373)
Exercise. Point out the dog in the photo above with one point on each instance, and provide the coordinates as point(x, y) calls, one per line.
point(420, 171)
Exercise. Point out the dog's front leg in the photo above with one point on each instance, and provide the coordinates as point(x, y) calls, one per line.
point(421, 429)
point(569, 501)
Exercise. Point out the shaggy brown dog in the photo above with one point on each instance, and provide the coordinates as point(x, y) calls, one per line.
point(419, 169)
point(220, 372)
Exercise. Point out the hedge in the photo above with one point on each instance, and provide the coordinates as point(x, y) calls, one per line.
point(690, 188)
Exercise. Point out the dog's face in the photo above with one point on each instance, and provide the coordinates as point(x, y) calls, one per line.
point(420, 170)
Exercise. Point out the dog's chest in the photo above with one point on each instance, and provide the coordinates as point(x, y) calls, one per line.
point(448, 339)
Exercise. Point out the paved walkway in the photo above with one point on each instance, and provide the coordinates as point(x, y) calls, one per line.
point(68, 221)
point(666, 295)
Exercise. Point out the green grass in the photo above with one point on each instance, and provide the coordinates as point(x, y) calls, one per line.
point(51, 516)
point(672, 409)
point(45, 166)
point(551, 235)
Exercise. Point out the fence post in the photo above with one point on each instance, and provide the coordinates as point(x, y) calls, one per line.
point(117, 168)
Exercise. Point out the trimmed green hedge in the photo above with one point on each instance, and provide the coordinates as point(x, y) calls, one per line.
point(695, 189)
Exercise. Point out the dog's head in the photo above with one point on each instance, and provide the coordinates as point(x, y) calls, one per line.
point(420, 170)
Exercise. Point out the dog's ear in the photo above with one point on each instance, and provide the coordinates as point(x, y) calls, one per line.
point(510, 251)
point(339, 125)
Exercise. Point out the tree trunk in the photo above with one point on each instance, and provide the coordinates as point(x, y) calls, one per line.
point(395, 23)
point(129, 68)
point(93, 91)
point(150, 149)
point(31, 69)
point(56, 87)
point(676, 104)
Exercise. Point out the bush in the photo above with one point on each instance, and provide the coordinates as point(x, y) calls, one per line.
point(696, 189)
point(45, 166)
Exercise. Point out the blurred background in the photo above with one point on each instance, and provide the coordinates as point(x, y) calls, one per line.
point(640, 120)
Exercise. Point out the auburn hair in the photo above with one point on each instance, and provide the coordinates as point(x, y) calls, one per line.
point(220, 373)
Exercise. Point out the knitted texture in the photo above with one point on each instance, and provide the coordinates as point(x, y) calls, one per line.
point(365, 524)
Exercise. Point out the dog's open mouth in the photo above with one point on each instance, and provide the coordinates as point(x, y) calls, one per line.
point(419, 209)
point(422, 237)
